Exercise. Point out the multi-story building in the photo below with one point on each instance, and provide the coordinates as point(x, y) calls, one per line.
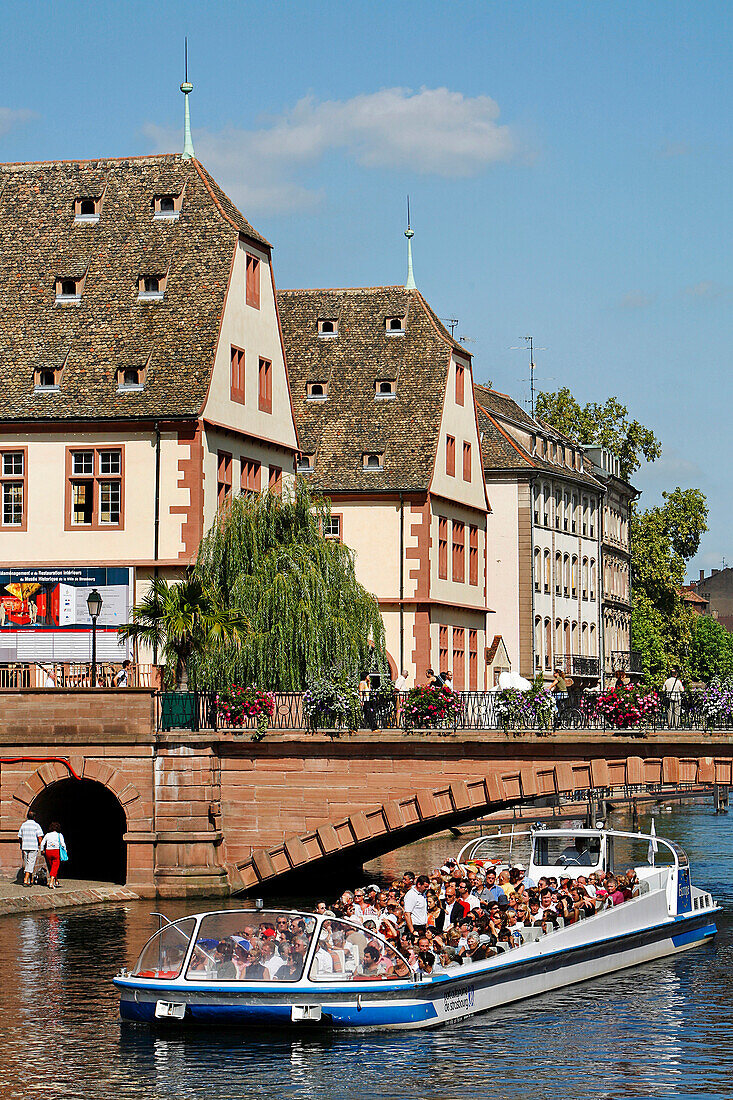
point(717, 591)
point(544, 542)
point(383, 400)
point(615, 563)
point(142, 380)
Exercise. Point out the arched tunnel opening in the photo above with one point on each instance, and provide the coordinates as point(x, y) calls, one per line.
point(93, 823)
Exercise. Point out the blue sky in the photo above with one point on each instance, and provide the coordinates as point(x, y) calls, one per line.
point(568, 163)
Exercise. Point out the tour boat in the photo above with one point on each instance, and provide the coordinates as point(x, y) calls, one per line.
point(182, 977)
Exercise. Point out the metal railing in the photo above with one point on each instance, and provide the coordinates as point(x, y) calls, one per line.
point(576, 664)
point(474, 710)
point(624, 660)
point(73, 674)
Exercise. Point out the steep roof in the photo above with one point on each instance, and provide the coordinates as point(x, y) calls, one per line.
point(351, 422)
point(501, 450)
point(176, 337)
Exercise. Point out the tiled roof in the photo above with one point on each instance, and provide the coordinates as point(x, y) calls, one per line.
point(500, 450)
point(689, 595)
point(175, 337)
point(351, 422)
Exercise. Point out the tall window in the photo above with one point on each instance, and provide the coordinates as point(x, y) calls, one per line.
point(237, 374)
point(546, 505)
point(537, 505)
point(537, 642)
point(13, 489)
point(275, 480)
point(592, 578)
point(548, 643)
point(574, 514)
point(558, 573)
point(253, 281)
point(472, 660)
point(473, 554)
point(460, 372)
point(574, 576)
point(94, 487)
point(459, 658)
point(442, 548)
point(459, 541)
point(250, 477)
point(466, 461)
point(548, 571)
point(585, 579)
point(566, 575)
point(558, 509)
point(537, 569)
point(443, 649)
point(450, 456)
point(265, 387)
point(223, 476)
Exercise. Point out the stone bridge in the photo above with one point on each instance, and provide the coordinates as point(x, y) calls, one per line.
point(184, 813)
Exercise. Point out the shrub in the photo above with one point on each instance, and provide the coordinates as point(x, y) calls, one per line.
point(427, 707)
point(624, 707)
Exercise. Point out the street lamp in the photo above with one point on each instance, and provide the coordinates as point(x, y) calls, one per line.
point(94, 606)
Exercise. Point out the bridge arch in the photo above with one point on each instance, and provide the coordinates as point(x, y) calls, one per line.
point(95, 806)
point(368, 833)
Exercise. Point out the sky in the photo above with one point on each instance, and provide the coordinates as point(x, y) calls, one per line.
point(568, 165)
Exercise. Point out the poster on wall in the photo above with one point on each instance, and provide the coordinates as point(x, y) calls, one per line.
point(44, 615)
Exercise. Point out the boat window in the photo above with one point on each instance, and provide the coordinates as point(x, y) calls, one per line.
point(566, 851)
point(251, 945)
point(163, 954)
point(347, 952)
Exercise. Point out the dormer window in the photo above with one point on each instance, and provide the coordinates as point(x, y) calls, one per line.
point(68, 291)
point(87, 210)
point(395, 326)
point(306, 463)
point(151, 288)
point(373, 460)
point(46, 380)
point(130, 379)
point(385, 388)
point(167, 207)
point(328, 327)
point(316, 391)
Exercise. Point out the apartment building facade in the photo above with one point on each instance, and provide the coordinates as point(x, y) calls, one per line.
point(143, 380)
point(383, 401)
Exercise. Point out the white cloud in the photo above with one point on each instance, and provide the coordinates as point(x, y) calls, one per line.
point(637, 299)
point(9, 118)
point(704, 289)
point(433, 131)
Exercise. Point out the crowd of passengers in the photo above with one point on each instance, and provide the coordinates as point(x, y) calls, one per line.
point(431, 923)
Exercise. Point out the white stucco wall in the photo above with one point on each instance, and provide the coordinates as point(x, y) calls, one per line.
point(503, 565)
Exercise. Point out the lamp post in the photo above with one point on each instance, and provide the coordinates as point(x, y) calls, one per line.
point(94, 606)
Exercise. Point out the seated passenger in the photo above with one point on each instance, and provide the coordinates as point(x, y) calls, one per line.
point(614, 894)
point(398, 968)
point(323, 961)
point(271, 960)
point(226, 971)
point(370, 968)
point(254, 971)
point(300, 950)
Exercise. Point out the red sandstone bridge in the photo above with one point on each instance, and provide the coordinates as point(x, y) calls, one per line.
point(184, 813)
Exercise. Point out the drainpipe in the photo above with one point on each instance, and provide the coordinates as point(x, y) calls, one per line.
point(156, 523)
point(402, 585)
point(532, 481)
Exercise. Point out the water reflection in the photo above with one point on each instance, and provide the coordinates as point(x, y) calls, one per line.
point(663, 1031)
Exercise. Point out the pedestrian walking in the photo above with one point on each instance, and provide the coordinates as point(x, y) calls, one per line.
point(122, 678)
point(53, 847)
point(30, 835)
point(673, 689)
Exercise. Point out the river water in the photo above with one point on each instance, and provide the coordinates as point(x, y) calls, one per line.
point(665, 1030)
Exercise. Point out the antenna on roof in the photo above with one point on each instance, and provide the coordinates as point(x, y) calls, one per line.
point(451, 322)
point(529, 343)
point(186, 88)
point(409, 233)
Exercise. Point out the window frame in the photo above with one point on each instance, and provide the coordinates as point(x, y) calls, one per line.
point(459, 657)
point(14, 479)
point(458, 546)
point(96, 477)
point(338, 536)
point(466, 460)
point(250, 475)
point(326, 335)
point(450, 455)
point(237, 374)
point(264, 384)
point(311, 396)
point(442, 548)
point(275, 480)
point(460, 393)
point(252, 280)
point(473, 554)
point(472, 659)
point(370, 466)
point(223, 483)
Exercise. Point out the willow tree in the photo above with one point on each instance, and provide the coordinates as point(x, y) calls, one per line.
point(307, 614)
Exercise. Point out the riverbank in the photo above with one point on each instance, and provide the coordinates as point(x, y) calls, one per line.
point(15, 898)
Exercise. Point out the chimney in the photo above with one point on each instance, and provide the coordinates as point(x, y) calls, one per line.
point(702, 575)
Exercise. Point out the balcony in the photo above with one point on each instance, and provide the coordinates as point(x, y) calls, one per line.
point(579, 666)
point(627, 660)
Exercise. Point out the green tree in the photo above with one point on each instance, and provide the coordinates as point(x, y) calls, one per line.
point(662, 541)
point(711, 650)
point(184, 620)
point(606, 425)
point(308, 614)
point(647, 632)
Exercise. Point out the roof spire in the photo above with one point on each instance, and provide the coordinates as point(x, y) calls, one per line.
point(410, 282)
point(187, 88)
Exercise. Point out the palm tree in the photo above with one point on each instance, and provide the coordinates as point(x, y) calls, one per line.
point(186, 619)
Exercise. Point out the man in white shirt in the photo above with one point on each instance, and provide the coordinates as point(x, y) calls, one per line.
point(30, 835)
point(402, 681)
point(416, 906)
point(673, 688)
point(269, 957)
